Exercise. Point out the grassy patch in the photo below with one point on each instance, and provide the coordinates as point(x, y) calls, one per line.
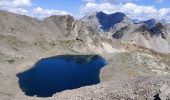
point(132, 73)
point(11, 61)
point(67, 42)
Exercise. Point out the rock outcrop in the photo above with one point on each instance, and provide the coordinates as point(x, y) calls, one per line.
point(152, 34)
point(137, 54)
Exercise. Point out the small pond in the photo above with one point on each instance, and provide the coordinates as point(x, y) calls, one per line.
point(55, 74)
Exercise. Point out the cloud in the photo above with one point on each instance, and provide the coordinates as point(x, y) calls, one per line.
point(43, 13)
point(159, 1)
point(21, 6)
point(137, 11)
point(93, 7)
point(127, 1)
point(21, 3)
point(118, 1)
point(89, 1)
point(130, 9)
point(15, 3)
point(16, 6)
point(17, 10)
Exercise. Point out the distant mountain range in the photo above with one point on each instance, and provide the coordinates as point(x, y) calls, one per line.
point(152, 33)
point(137, 54)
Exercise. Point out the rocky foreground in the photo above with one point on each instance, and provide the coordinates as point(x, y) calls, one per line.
point(137, 54)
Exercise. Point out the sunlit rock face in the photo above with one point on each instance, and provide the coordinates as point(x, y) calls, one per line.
point(60, 73)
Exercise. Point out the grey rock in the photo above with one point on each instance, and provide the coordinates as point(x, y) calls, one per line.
point(165, 92)
point(135, 71)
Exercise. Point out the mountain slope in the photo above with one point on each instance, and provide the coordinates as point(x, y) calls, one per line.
point(25, 40)
point(104, 23)
point(152, 34)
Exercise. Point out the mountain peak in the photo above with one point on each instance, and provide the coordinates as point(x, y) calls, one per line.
point(105, 21)
point(150, 23)
point(101, 13)
point(118, 14)
point(109, 20)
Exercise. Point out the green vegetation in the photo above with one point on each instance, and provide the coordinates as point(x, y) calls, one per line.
point(66, 42)
point(11, 61)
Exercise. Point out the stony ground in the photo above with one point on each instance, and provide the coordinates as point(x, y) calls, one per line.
point(133, 72)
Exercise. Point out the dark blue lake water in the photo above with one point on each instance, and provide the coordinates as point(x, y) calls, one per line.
point(56, 74)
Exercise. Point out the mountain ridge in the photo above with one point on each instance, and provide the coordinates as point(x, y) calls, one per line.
point(137, 55)
point(125, 29)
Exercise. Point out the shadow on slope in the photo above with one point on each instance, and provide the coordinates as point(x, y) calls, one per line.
point(108, 21)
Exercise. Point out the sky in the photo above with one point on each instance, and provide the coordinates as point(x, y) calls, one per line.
point(135, 9)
